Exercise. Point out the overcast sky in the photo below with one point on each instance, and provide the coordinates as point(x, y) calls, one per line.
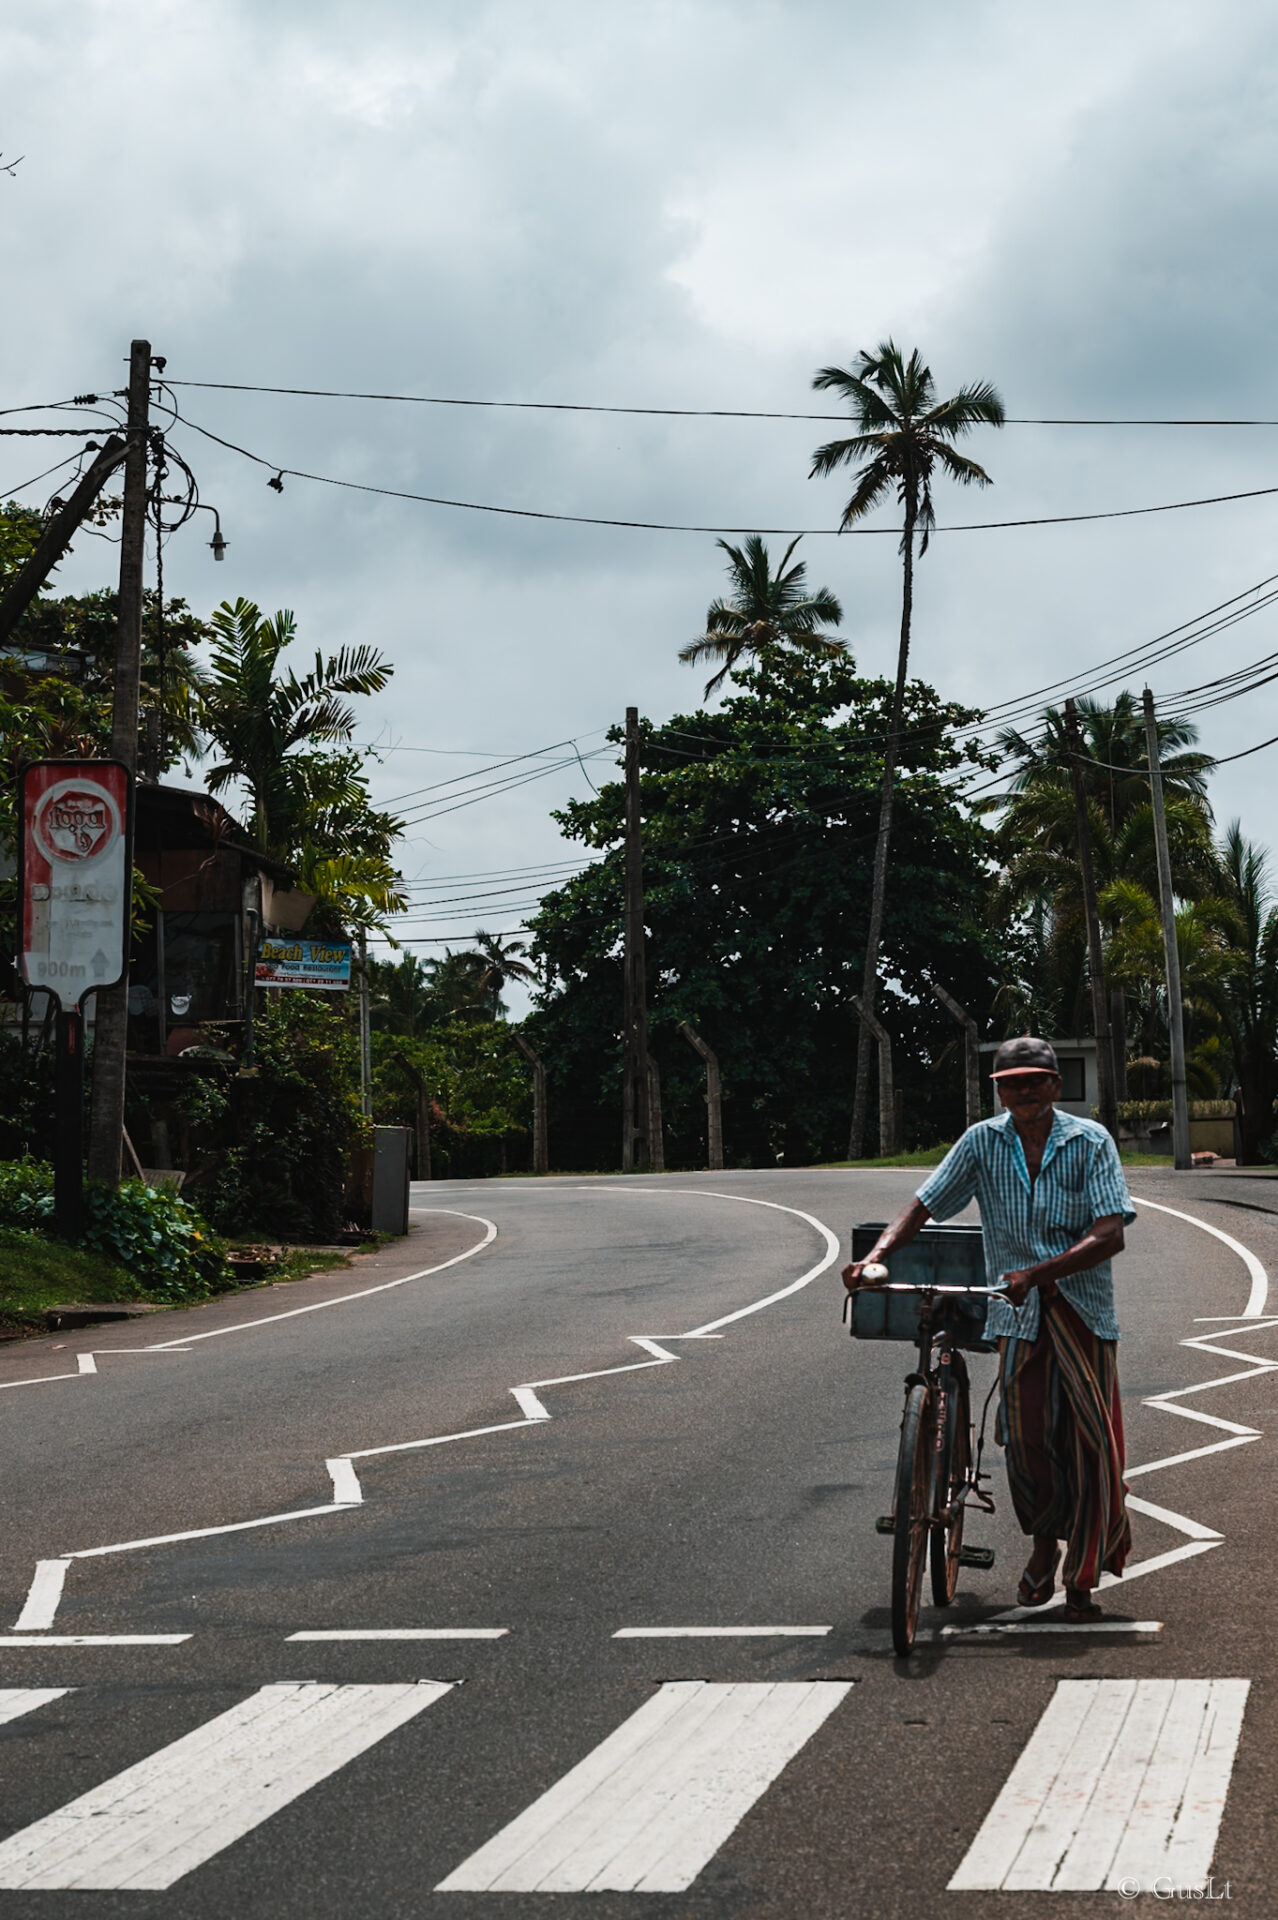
point(687, 205)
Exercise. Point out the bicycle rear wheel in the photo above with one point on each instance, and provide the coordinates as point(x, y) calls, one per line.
point(915, 1484)
point(953, 1463)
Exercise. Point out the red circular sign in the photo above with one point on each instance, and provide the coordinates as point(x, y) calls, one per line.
point(75, 821)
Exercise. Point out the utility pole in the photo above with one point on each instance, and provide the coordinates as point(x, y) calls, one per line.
point(1171, 952)
point(110, 1028)
point(541, 1133)
point(971, 1054)
point(365, 1034)
point(57, 537)
point(635, 1128)
point(888, 1110)
point(1095, 952)
point(714, 1100)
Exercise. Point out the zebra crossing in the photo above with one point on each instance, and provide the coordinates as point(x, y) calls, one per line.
point(1121, 1785)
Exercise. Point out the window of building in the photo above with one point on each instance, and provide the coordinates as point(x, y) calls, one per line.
point(1073, 1076)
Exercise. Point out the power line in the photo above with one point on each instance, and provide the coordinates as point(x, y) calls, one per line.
point(676, 526)
point(669, 413)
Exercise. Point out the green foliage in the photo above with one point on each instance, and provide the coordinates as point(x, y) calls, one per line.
point(1138, 1113)
point(156, 1235)
point(904, 433)
point(37, 1273)
point(759, 829)
point(478, 1087)
point(766, 609)
point(292, 1123)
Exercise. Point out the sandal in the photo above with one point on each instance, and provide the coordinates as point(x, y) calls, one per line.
point(1037, 1593)
point(1080, 1607)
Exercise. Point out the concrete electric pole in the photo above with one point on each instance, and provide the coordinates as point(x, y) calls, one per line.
point(635, 1096)
point(1095, 952)
point(110, 1029)
point(1171, 952)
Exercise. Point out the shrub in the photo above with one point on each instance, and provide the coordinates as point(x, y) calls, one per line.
point(291, 1123)
point(155, 1234)
point(1135, 1113)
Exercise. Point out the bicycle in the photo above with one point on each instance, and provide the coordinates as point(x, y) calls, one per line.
point(937, 1476)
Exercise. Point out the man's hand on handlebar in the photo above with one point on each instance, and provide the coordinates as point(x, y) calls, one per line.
point(869, 1272)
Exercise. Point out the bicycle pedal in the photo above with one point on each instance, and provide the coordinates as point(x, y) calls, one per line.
point(886, 1523)
point(976, 1556)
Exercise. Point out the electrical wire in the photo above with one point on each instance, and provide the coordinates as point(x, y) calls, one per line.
point(675, 526)
point(677, 413)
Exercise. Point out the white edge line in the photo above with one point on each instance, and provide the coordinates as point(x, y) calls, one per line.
point(401, 1633)
point(207, 1533)
point(93, 1639)
point(720, 1633)
point(1195, 1453)
point(1046, 1626)
point(1255, 1306)
point(708, 1330)
point(317, 1306)
point(1193, 1528)
point(1156, 1565)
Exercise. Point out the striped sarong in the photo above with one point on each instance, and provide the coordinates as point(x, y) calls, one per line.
point(1061, 1423)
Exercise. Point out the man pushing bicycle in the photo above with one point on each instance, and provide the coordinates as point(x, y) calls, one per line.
point(1053, 1204)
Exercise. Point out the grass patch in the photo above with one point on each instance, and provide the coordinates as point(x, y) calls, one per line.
point(37, 1273)
point(1146, 1159)
point(301, 1262)
point(921, 1157)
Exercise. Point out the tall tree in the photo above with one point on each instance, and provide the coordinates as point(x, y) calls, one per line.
point(502, 964)
point(904, 436)
point(260, 718)
point(1249, 1000)
point(764, 609)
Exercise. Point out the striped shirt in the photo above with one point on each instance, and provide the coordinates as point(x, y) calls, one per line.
point(1080, 1180)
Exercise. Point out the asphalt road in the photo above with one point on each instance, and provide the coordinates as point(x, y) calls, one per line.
point(733, 1485)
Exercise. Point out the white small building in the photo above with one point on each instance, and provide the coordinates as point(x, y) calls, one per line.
point(1077, 1058)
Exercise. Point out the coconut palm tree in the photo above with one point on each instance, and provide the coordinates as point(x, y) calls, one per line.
point(258, 719)
point(904, 436)
point(501, 964)
point(1249, 999)
point(765, 609)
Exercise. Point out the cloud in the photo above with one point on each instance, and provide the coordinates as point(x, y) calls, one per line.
point(689, 205)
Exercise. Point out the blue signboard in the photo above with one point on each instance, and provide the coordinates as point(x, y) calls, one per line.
point(323, 965)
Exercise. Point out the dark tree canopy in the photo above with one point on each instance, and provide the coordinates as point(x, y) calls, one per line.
point(759, 827)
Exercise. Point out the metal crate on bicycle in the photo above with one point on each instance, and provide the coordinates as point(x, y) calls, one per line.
point(934, 1295)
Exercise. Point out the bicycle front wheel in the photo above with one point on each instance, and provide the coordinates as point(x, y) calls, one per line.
point(953, 1464)
point(915, 1481)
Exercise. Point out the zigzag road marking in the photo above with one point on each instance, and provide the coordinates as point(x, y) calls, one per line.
point(1199, 1538)
point(45, 1593)
point(86, 1363)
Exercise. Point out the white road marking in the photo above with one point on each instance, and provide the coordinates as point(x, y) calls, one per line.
point(43, 1596)
point(656, 1800)
point(401, 1633)
point(1194, 1528)
point(1054, 1626)
point(1122, 1785)
point(720, 1633)
point(15, 1701)
point(93, 1639)
point(1255, 1306)
point(157, 1820)
point(341, 1469)
point(347, 1491)
point(87, 1363)
point(319, 1306)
